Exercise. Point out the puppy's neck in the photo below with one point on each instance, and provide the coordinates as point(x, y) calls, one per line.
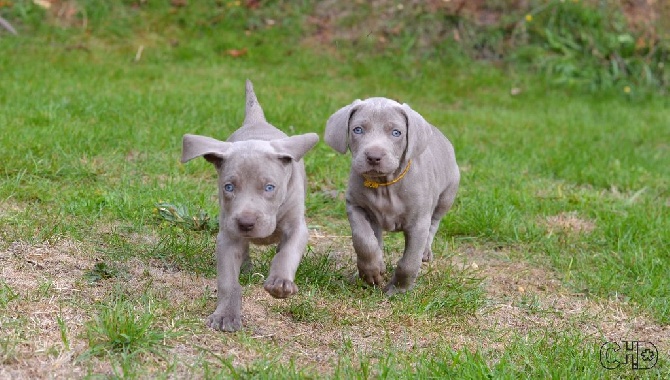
point(389, 179)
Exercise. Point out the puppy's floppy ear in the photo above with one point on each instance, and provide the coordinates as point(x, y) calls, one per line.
point(337, 127)
point(418, 132)
point(295, 147)
point(194, 146)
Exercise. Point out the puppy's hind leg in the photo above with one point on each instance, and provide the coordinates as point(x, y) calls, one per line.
point(246, 267)
point(409, 264)
point(443, 205)
point(428, 252)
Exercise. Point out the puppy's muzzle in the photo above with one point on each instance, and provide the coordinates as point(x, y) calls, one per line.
point(374, 156)
point(246, 222)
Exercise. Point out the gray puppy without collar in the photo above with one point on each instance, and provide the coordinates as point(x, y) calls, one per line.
point(404, 177)
point(262, 185)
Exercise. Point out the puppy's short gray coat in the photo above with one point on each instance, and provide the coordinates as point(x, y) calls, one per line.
point(262, 186)
point(404, 177)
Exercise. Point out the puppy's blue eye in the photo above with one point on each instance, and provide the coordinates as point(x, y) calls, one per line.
point(269, 187)
point(358, 130)
point(229, 187)
point(396, 133)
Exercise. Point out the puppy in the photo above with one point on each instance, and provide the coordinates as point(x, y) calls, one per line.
point(262, 185)
point(404, 177)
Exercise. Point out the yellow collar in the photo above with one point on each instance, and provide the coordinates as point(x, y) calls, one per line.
point(373, 184)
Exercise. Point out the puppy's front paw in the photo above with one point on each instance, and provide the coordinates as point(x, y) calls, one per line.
point(373, 277)
point(371, 274)
point(224, 322)
point(280, 288)
point(397, 287)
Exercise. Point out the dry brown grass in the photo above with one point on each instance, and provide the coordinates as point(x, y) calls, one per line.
point(568, 222)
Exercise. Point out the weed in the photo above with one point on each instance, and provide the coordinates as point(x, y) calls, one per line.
point(575, 43)
point(530, 302)
point(179, 215)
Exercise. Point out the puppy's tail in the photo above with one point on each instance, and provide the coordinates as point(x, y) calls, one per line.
point(254, 112)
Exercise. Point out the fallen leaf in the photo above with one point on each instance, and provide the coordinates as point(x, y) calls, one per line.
point(42, 3)
point(236, 52)
point(252, 4)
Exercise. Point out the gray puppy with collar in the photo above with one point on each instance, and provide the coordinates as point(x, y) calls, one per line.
point(262, 185)
point(404, 177)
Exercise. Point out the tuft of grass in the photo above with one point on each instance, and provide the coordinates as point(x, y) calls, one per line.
point(122, 327)
point(62, 327)
point(101, 271)
point(303, 310)
point(7, 294)
point(13, 335)
point(184, 250)
point(446, 293)
point(319, 272)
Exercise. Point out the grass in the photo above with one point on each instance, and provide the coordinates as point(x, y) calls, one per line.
point(118, 328)
point(558, 187)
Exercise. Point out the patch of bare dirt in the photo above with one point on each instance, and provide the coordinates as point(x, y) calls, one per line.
point(526, 298)
point(569, 222)
point(63, 12)
point(9, 207)
point(130, 236)
point(41, 276)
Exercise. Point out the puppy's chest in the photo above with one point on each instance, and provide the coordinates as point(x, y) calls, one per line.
point(387, 209)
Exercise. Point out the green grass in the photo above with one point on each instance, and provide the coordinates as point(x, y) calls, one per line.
point(91, 140)
point(120, 329)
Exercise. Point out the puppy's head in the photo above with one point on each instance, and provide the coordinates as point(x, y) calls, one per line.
point(380, 133)
point(253, 178)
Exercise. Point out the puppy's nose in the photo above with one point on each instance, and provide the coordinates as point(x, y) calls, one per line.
point(374, 156)
point(246, 222)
